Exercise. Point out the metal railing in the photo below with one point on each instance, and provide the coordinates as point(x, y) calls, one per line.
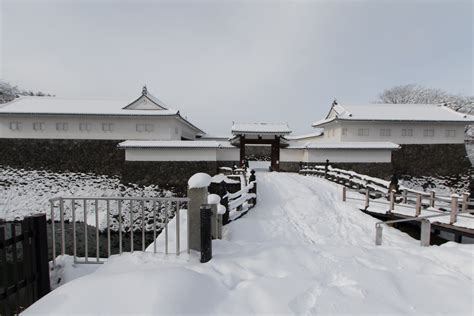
point(117, 217)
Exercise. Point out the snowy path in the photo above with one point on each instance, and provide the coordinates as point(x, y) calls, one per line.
point(299, 251)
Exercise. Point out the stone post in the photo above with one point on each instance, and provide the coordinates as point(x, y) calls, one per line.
point(197, 193)
point(252, 178)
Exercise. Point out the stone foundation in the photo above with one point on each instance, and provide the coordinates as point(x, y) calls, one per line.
point(97, 156)
point(431, 160)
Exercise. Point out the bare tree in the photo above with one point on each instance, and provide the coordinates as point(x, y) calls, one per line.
point(413, 93)
point(9, 93)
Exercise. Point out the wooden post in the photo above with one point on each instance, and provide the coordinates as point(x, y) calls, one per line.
point(242, 150)
point(405, 196)
point(432, 198)
point(367, 198)
point(224, 202)
point(454, 209)
point(378, 235)
point(344, 189)
point(465, 201)
point(253, 178)
point(425, 233)
point(418, 205)
point(37, 224)
point(392, 201)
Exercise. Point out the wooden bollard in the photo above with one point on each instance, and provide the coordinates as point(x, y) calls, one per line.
point(344, 189)
point(454, 209)
point(392, 200)
point(418, 205)
point(432, 198)
point(425, 233)
point(367, 198)
point(465, 201)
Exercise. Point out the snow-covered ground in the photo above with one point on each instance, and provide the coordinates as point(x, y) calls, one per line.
point(301, 250)
point(24, 192)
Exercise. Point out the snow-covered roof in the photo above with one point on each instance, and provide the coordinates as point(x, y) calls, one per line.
point(66, 106)
point(347, 145)
point(261, 128)
point(145, 105)
point(173, 144)
point(395, 112)
point(304, 136)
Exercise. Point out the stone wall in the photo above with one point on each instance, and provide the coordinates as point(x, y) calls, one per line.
point(433, 159)
point(97, 156)
point(172, 175)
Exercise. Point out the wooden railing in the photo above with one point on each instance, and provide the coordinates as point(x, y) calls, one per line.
point(378, 187)
point(239, 203)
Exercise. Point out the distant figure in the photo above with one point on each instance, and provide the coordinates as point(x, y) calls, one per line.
point(393, 183)
point(326, 168)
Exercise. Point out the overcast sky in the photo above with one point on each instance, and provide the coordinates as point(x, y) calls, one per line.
point(219, 61)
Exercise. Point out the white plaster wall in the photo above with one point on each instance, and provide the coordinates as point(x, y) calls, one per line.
point(164, 128)
point(228, 154)
point(170, 154)
point(347, 155)
point(289, 155)
point(396, 132)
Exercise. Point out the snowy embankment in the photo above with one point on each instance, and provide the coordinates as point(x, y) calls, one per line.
point(25, 192)
point(301, 250)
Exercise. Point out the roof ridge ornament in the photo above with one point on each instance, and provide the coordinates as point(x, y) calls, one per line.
point(144, 90)
point(334, 102)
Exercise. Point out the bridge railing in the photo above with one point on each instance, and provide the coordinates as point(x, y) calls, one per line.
point(123, 213)
point(425, 233)
point(378, 186)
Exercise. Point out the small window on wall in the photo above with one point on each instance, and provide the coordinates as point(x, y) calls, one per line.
point(15, 126)
point(450, 133)
point(407, 132)
point(107, 127)
point(62, 126)
point(363, 132)
point(38, 126)
point(428, 133)
point(145, 128)
point(385, 132)
point(84, 127)
point(344, 131)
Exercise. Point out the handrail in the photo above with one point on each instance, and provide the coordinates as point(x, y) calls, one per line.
point(242, 191)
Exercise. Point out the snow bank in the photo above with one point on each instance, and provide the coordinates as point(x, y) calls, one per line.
point(199, 180)
point(301, 250)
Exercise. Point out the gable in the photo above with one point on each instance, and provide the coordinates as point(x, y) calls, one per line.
point(144, 103)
